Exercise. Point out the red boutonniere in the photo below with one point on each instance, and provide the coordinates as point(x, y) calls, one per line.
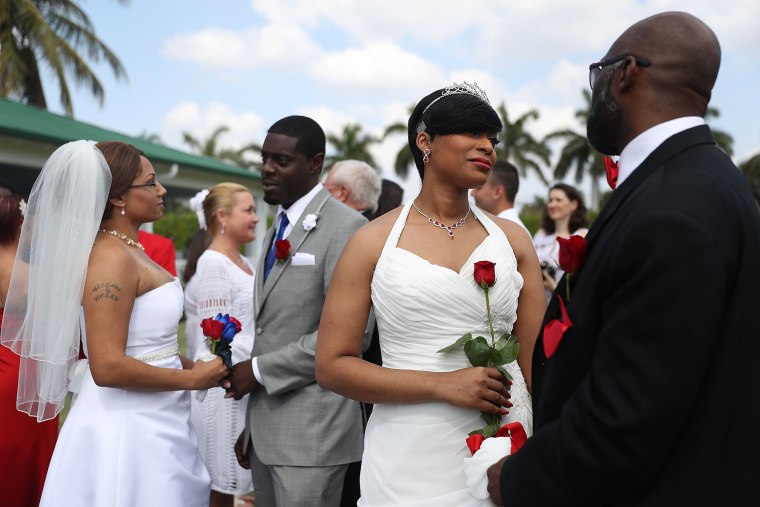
point(281, 249)
point(572, 252)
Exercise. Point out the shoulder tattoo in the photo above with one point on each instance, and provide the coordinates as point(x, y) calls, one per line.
point(105, 290)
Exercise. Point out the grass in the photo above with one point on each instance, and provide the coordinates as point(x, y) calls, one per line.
point(181, 339)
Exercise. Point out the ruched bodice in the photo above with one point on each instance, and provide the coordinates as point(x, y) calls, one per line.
point(413, 452)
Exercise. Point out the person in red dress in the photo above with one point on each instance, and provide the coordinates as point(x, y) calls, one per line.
point(25, 445)
point(160, 249)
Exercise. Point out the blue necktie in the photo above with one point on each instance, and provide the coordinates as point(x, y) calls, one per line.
point(270, 255)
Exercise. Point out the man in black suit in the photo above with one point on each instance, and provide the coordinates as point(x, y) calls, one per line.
point(652, 396)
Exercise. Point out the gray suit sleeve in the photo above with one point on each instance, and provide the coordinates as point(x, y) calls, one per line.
point(292, 367)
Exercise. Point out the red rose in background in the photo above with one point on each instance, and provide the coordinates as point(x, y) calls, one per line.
point(281, 249)
point(572, 251)
point(212, 329)
point(485, 273)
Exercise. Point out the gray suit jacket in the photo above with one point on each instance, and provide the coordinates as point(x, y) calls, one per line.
point(292, 420)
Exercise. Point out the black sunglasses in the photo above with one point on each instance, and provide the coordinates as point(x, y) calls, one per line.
point(596, 68)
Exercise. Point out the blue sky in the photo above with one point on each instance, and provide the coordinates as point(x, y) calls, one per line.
point(194, 65)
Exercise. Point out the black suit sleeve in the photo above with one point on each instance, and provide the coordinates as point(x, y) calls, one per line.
point(660, 308)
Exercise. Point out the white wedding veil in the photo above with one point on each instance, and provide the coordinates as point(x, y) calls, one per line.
point(41, 316)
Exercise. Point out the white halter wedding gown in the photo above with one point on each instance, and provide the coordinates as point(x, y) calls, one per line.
point(128, 447)
point(413, 453)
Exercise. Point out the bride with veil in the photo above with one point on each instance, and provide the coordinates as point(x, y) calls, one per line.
point(416, 272)
point(80, 273)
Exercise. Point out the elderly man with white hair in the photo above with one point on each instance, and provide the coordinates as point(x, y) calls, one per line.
point(356, 184)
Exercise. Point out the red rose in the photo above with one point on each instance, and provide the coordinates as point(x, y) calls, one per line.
point(238, 325)
point(212, 329)
point(485, 273)
point(281, 249)
point(572, 251)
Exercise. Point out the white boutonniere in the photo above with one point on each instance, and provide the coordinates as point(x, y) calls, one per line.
point(310, 222)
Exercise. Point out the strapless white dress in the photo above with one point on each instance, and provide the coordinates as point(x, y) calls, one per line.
point(123, 447)
point(413, 453)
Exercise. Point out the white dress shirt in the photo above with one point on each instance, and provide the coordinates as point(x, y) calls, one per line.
point(513, 215)
point(645, 143)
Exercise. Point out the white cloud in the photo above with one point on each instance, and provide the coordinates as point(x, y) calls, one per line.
point(244, 127)
point(381, 67)
point(284, 46)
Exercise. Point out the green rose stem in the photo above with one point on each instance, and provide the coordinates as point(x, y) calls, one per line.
point(488, 310)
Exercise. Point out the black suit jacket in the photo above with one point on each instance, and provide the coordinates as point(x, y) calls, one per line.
point(653, 396)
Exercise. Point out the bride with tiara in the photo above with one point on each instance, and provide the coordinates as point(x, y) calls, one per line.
point(127, 440)
point(417, 274)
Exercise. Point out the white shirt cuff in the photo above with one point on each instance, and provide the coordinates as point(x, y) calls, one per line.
point(256, 372)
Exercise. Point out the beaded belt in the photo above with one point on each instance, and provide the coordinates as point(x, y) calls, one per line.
point(159, 354)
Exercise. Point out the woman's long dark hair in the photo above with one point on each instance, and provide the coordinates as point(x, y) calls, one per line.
point(579, 217)
point(453, 114)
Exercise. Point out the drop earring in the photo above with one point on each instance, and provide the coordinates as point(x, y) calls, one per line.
point(426, 156)
point(123, 211)
point(222, 233)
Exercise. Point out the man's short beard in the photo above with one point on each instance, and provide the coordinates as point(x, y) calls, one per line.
point(604, 120)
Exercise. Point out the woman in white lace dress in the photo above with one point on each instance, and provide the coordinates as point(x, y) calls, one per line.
point(223, 283)
point(417, 273)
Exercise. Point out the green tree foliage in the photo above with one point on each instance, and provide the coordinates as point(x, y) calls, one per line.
point(751, 170)
point(56, 35)
point(179, 226)
point(351, 144)
point(210, 148)
point(722, 139)
point(404, 159)
point(578, 156)
point(518, 146)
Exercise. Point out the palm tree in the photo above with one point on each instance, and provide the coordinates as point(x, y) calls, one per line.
point(751, 170)
point(404, 159)
point(51, 34)
point(518, 146)
point(351, 144)
point(578, 154)
point(722, 139)
point(210, 148)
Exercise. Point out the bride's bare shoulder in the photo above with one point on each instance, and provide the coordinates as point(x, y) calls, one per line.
point(370, 239)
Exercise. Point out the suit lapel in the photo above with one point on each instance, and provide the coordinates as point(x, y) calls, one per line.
point(296, 239)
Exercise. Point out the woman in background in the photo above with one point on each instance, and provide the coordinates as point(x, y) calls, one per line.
point(25, 445)
point(223, 283)
point(565, 215)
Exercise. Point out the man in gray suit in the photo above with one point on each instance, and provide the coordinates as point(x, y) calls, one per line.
point(302, 436)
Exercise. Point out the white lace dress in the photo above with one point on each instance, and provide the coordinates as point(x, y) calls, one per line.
point(128, 447)
point(220, 286)
point(413, 453)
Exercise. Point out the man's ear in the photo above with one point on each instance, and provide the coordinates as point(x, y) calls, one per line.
point(498, 191)
point(315, 164)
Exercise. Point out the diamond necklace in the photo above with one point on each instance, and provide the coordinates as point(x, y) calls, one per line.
point(124, 238)
point(448, 228)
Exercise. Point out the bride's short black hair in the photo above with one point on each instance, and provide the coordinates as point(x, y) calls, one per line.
point(453, 114)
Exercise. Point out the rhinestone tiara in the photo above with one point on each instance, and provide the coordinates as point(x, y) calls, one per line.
point(455, 89)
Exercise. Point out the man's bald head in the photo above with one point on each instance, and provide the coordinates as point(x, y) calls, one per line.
point(685, 56)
